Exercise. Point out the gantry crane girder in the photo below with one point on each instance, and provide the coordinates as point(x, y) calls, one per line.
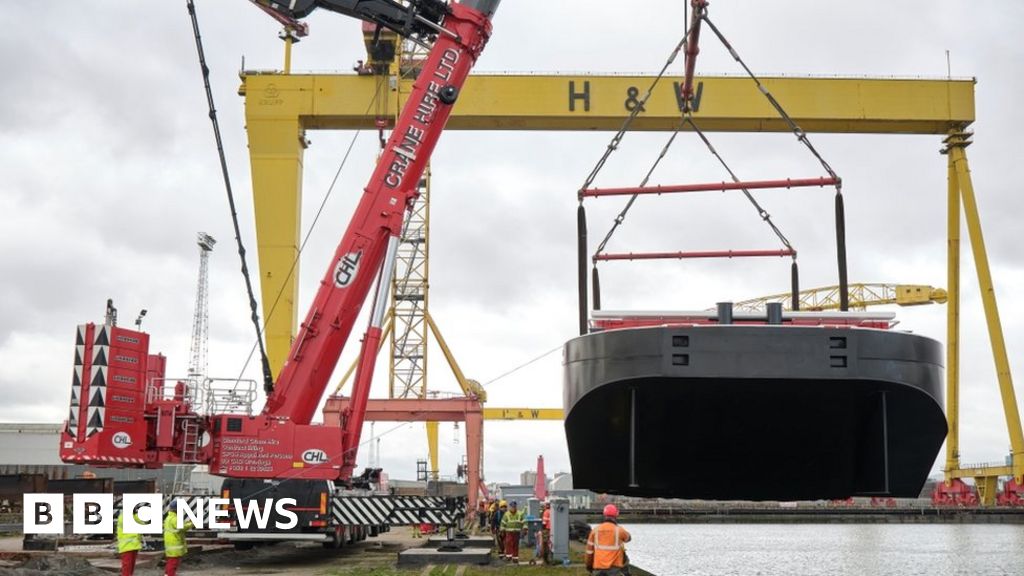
point(280, 108)
point(596, 102)
point(524, 414)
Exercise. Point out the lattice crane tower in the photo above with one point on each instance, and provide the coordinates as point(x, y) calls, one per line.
point(408, 377)
point(201, 318)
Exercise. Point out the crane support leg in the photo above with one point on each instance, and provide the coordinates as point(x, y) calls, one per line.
point(987, 488)
point(957, 142)
point(474, 456)
point(276, 147)
point(952, 322)
point(472, 390)
point(432, 449)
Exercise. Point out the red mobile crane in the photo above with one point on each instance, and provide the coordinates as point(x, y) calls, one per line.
point(123, 411)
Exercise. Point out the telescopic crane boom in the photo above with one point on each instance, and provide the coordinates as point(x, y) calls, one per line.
point(281, 441)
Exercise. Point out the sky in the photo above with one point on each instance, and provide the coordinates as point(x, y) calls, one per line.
point(108, 169)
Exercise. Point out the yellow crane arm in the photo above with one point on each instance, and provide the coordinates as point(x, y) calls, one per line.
point(861, 296)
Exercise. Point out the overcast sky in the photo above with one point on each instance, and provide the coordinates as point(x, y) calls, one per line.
point(108, 169)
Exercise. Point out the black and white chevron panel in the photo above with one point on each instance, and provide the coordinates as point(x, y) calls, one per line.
point(396, 510)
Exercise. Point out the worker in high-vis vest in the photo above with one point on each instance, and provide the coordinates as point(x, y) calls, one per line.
point(128, 546)
point(481, 515)
point(175, 546)
point(606, 546)
point(492, 510)
point(544, 544)
point(499, 536)
point(513, 523)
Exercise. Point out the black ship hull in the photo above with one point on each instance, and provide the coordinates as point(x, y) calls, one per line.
point(724, 412)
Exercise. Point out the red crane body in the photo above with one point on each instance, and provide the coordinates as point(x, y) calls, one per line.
point(158, 425)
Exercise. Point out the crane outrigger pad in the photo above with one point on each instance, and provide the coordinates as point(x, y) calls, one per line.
point(753, 412)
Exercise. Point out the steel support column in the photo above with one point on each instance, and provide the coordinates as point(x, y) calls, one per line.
point(952, 320)
point(956, 144)
point(276, 146)
point(433, 469)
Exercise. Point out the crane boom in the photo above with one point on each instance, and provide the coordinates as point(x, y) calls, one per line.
point(157, 421)
point(378, 218)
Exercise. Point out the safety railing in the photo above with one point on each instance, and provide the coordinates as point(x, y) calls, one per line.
point(187, 390)
point(230, 396)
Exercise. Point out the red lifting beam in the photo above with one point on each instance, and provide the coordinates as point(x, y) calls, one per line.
point(690, 255)
point(692, 50)
point(713, 187)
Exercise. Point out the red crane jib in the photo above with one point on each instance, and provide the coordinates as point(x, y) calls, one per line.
point(378, 216)
point(152, 422)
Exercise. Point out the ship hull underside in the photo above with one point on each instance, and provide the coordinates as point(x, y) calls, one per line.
point(755, 413)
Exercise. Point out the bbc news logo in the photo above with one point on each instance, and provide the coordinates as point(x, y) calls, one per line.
point(143, 513)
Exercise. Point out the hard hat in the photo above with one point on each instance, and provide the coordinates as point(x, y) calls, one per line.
point(513, 504)
point(611, 511)
point(503, 503)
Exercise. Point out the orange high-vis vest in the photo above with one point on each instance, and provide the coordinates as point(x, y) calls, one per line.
point(606, 546)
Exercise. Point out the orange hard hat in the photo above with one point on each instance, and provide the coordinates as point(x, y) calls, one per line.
point(611, 511)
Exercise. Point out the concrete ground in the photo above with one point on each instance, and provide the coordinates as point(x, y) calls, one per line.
point(284, 559)
point(372, 557)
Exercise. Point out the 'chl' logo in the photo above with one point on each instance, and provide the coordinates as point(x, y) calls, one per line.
point(345, 271)
point(121, 440)
point(314, 456)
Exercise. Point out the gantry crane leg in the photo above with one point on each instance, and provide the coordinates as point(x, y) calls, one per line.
point(956, 143)
point(434, 470)
point(952, 321)
point(276, 147)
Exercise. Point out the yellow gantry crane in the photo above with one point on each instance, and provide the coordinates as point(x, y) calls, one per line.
point(281, 106)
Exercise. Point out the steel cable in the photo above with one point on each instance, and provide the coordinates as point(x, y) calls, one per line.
point(840, 213)
point(765, 216)
point(521, 366)
point(800, 134)
point(617, 139)
point(629, 204)
point(613, 146)
point(268, 377)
